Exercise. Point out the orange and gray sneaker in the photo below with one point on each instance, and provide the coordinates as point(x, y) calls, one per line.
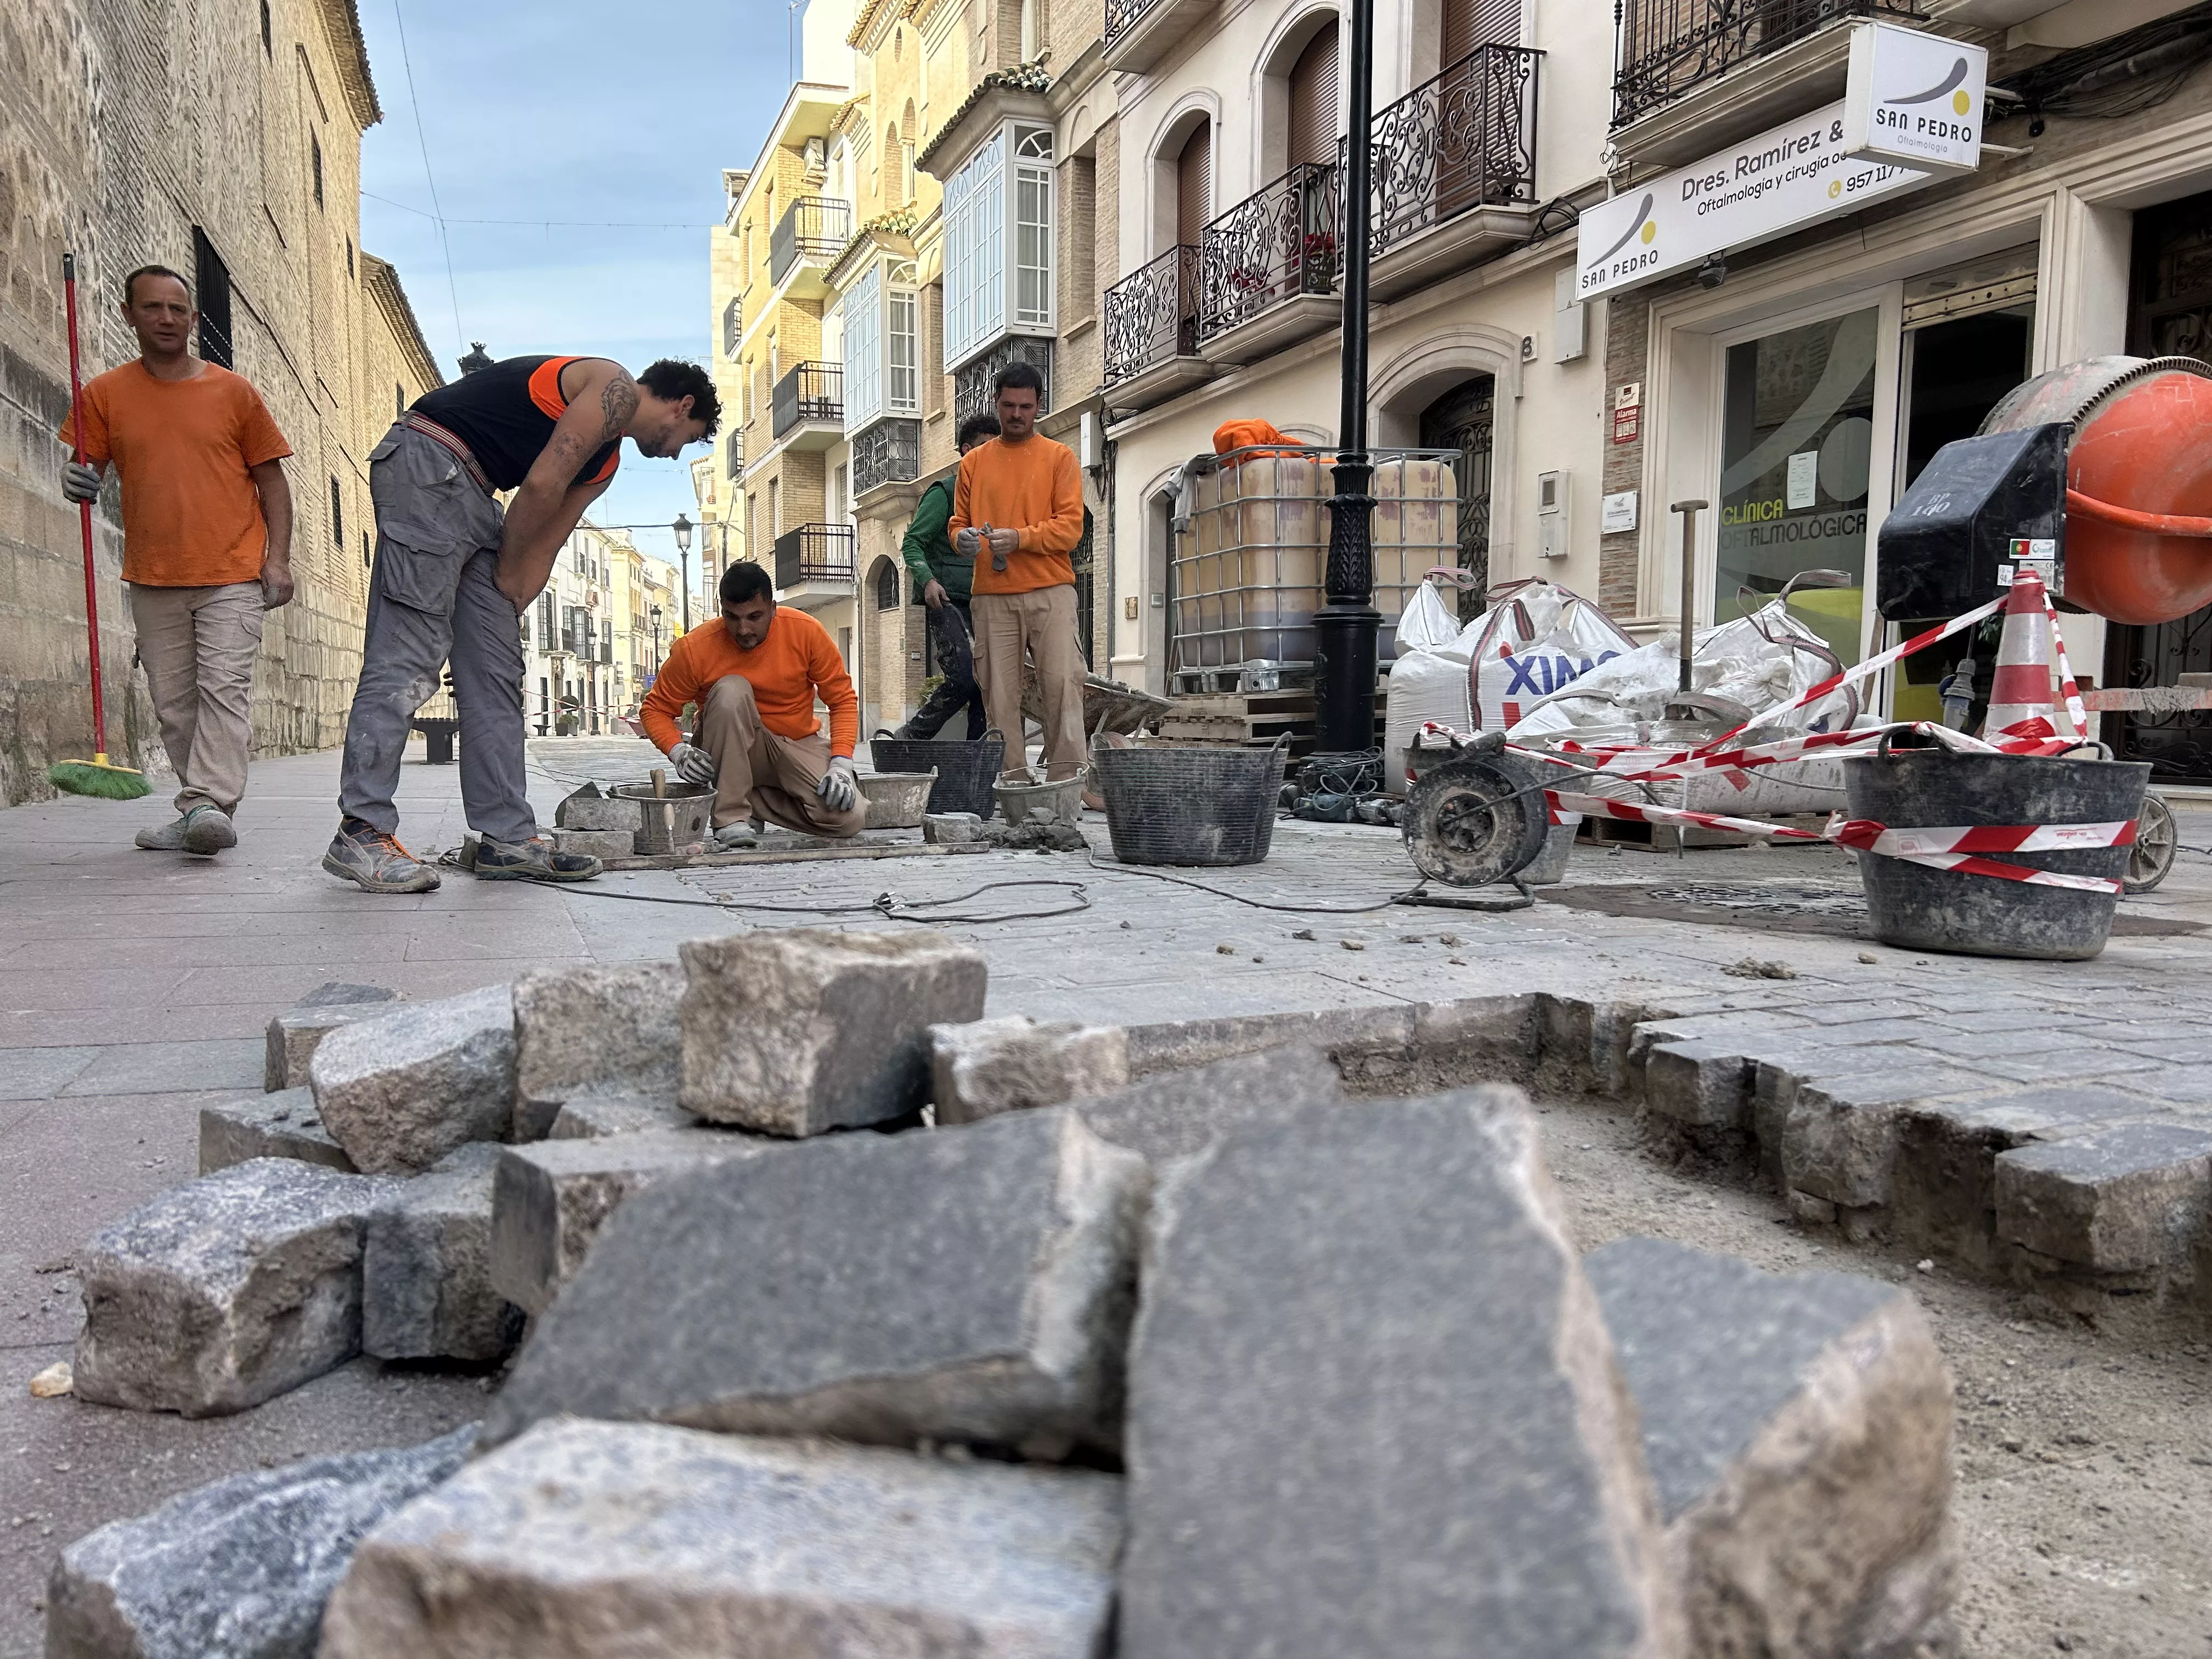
point(376, 861)
point(537, 860)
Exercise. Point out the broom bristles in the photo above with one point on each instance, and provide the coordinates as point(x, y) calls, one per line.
point(99, 779)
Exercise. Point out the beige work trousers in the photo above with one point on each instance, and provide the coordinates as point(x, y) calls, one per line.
point(760, 773)
point(1040, 623)
point(198, 645)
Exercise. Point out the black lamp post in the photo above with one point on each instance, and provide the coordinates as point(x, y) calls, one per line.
point(683, 528)
point(1347, 626)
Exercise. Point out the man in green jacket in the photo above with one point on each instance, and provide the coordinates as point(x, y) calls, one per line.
point(943, 579)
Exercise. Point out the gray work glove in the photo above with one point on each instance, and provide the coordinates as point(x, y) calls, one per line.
point(80, 481)
point(969, 542)
point(838, 788)
point(693, 764)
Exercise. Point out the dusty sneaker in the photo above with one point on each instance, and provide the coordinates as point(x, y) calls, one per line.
point(532, 861)
point(377, 862)
point(164, 838)
point(732, 837)
point(208, 830)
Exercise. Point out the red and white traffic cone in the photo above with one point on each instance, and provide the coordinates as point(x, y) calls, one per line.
point(2021, 705)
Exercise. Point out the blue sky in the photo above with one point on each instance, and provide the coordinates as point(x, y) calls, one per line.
point(574, 117)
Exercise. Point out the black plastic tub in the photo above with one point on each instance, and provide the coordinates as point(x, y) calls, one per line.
point(1921, 908)
point(964, 769)
point(1190, 805)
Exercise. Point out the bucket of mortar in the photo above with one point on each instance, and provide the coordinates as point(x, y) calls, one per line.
point(964, 769)
point(670, 822)
point(896, 800)
point(1921, 908)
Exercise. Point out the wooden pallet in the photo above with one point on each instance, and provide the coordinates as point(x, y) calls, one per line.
point(1247, 720)
point(1637, 835)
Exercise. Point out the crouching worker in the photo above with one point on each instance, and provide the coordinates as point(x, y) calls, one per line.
point(755, 675)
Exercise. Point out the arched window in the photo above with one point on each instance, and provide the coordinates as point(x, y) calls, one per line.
point(1313, 122)
point(1195, 184)
point(887, 586)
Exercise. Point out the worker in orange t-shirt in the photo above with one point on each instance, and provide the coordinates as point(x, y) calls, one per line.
point(1019, 501)
point(207, 544)
point(755, 674)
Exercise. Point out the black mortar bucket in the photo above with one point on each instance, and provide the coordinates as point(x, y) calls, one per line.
point(1921, 908)
point(964, 769)
point(1202, 805)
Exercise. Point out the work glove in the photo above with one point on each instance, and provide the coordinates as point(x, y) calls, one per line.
point(693, 764)
point(80, 481)
point(969, 542)
point(838, 788)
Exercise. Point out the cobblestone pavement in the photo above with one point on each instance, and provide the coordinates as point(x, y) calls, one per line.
point(135, 986)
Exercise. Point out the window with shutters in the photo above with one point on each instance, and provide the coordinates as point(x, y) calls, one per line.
point(1470, 25)
point(998, 210)
point(1313, 113)
point(732, 329)
point(1195, 184)
point(545, 626)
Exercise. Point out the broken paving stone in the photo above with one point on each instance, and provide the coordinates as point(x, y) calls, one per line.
point(619, 1112)
point(995, 1065)
point(596, 843)
point(1753, 968)
point(588, 809)
point(2129, 1198)
point(281, 1125)
point(225, 1291)
point(295, 1034)
point(806, 1030)
point(335, 993)
point(579, 1028)
point(689, 1543)
point(1174, 1113)
point(52, 1383)
point(427, 1291)
point(1373, 1407)
point(400, 1092)
point(551, 1200)
point(950, 828)
point(970, 1285)
point(1798, 1430)
point(240, 1569)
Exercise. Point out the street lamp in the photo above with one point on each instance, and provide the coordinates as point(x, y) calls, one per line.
point(683, 528)
point(655, 612)
point(1345, 627)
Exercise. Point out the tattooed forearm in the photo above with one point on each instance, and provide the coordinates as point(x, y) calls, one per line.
point(618, 403)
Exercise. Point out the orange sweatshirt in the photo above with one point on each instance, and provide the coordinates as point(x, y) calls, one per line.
point(795, 661)
point(1035, 487)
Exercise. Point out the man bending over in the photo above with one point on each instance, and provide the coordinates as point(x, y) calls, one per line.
point(756, 674)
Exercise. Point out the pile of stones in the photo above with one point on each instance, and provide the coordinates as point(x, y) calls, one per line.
point(842, 1320)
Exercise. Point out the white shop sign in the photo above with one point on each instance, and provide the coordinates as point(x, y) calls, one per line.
point(1915, 98)
point(1788, 177)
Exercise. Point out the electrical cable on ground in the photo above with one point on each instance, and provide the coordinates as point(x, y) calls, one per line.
point(1257, 904)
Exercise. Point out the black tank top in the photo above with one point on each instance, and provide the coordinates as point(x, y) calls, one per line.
point(506, 415)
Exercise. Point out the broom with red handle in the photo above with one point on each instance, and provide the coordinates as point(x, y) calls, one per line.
point(98, 776)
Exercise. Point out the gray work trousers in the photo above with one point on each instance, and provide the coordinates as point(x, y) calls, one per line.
point(432, 599)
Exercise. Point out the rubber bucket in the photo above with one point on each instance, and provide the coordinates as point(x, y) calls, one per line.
point(964, 769)
point(1190, 805)
point(1921, 908)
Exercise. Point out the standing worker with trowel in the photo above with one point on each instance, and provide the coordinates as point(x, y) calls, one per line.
point(943, 578)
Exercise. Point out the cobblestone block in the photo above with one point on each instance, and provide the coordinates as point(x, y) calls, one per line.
point(596, 843)
point(1179, 1045)
point(668, 1541)
point(795, 1032)
point(950, 828)
point(550, 1200)
point(1373, 1408)
point(579, 1028)
point(281, 1125)
point(618, 1112)
point(227, 1291)
point(1007, 1064)
point(1798, 1430)
point(1839, 1135)
point(972, 1284)
point(1698, 1085)
point(237, 1570)
point(1173, 1114)
point(401, 1091)
point(426, 1272)
point(2126, 1199)
point(294, 1035)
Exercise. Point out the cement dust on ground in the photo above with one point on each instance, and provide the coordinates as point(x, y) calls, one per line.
point(2083, 1457)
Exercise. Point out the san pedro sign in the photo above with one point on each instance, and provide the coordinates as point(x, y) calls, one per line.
point(1832, 162)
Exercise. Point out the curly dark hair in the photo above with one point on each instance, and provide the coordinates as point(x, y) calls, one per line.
point(976, 428)
point(673, 378)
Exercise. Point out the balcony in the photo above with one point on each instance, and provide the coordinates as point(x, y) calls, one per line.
point(1152, 331)
point(886, 451)
point(811, 234)
point(1140, 33)
point(1696, 74)
point(971, 381)
point(814, 562)
point(808, 406)
point(1454, 170)
point(1268, 268)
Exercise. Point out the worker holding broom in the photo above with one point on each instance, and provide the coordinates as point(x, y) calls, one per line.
point(207, 543)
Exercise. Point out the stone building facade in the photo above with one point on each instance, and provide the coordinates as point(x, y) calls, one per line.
point(223, 138)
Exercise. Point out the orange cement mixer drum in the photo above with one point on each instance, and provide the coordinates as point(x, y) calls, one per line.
point(2138, 479)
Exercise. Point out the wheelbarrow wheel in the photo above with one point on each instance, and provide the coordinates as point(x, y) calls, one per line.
point(2156, 841)
point(1472, 821)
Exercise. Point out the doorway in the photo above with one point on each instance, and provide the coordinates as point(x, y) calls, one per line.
point(1465, 419)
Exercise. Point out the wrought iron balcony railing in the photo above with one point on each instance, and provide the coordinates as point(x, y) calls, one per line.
point(1152, 314)
point(814, 553)
point(888, 451)
point(971, 381)
point(810, 392)
point(1465, 139)
point(1668, 47)
point(1121, 16)
point(1273, 246)
point(812, 227)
